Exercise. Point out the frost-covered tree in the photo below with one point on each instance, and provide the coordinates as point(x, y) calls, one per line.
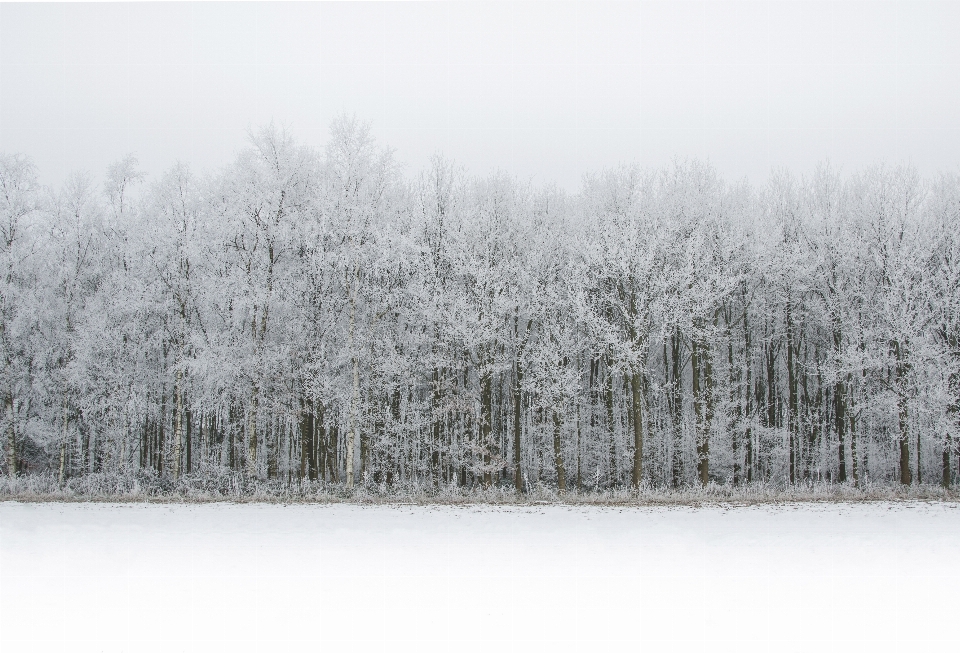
point(18, 205)
point(313, 317)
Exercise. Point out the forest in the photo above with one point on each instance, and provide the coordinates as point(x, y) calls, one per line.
point(320, 317)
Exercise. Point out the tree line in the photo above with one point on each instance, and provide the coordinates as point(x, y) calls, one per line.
point(316, 316)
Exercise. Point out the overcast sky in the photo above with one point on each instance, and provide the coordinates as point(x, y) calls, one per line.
point(547, 91)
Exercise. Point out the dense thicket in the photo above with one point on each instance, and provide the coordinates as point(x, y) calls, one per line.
point(316, 316)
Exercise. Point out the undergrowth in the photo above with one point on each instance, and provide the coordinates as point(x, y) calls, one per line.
point(218, 484)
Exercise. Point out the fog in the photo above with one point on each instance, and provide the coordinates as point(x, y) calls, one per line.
point(546, 91)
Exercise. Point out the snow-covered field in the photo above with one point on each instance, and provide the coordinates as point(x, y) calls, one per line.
point(105, 577)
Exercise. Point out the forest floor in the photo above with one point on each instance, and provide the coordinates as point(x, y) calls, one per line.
point(140, 487)
point(228, 576)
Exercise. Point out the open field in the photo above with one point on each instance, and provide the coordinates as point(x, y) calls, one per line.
point(815, 576)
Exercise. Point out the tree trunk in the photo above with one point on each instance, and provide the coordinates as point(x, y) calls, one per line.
point(953, 411)
point(517, 426)
point(144, 442)
point(809, 430)
point(321, 450)
point(306, 440)
point(840, 424)
point(748, 399)
point(611, 426)
point(232, 444)
point(734, 394)
point(700, 428)
point(202, 436)
point(486, 424)
point(355, 394)
point(852, 430)
point(636, 389)
point(771, 385)
point(919, 467)
point(906, 476)
point(396, 421)
point(333, 446)
point(188, 433)
point(676, 407)
point(367, 471)
point(900, 368)
point(708, 403)
point(161, 430)
point(594, 392)
point(947, 445)
point(558, 449)
point(579, 468)
point(252, 434)
point(840, 413)
point(11, 439)
point(61, 475)
point(437, 417)
point(791, 396)
point(177, 424)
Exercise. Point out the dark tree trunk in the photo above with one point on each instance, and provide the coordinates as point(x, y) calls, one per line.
point(145, 444)
point(486, 424)
point(791, 396)
point(636, 390)
point(840, 425)
point(579, 434)
point(11, 437)
point(160, 431)
point(906, 476)
point(733, 380)
point(852, 430)
point(809, 428)
point(231, 428)
point(558, 449)
point(321, 446)
point(594, 392)
point(189, 435)
point(333, 446)
point(748, 396)
point(517, 426)
point(437, 417)
point(611, 425)
point(840, 414)
point(900, 369)
point(700, 388)
point(676, 406)
point(307, 469)
point(396, 421)
point(771, 385)
point(947, 445)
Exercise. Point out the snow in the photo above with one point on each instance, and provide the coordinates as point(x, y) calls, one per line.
point(138, 577)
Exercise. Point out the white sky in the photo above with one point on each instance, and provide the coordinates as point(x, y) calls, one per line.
point(546, 90)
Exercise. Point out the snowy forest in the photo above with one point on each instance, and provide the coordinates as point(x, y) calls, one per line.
point(323, 317)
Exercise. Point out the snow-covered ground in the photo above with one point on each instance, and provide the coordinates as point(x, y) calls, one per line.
point(102, 577)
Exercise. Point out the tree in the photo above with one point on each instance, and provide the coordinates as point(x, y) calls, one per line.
point(74, 249)
point(311, 315)
point(358, 179)
point(175, 236)
point(18, 204)
point(269, 189)
point(629, 258)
